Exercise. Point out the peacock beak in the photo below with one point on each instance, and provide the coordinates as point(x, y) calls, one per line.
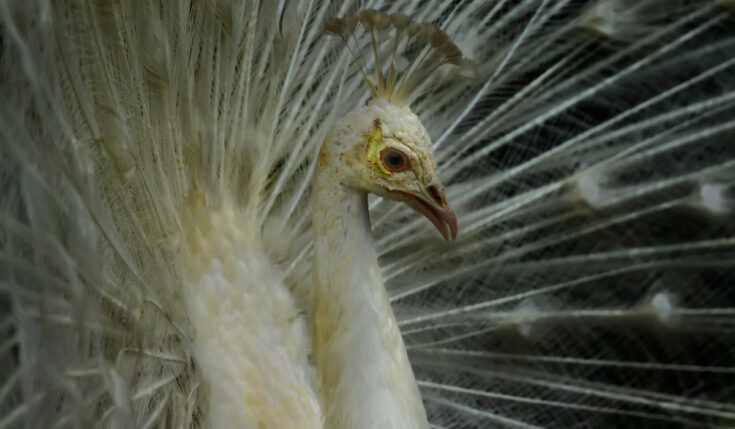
point(433, 204)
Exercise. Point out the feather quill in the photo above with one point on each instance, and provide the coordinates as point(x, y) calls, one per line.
point(590, 161)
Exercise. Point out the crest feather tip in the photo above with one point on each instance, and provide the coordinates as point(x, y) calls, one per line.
point(404, 56)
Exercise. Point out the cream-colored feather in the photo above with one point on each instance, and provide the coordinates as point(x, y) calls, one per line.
point(157, 266)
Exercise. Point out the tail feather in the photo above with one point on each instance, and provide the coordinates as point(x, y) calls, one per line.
point(591, 164)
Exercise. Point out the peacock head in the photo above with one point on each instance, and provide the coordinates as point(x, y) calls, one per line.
point(384, 149)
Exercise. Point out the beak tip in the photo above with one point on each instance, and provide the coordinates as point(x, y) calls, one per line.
point(451, 219)
point(437, 210)
point(446, 222)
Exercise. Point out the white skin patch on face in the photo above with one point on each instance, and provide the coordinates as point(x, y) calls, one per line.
point(401, 131)
point(356, 143)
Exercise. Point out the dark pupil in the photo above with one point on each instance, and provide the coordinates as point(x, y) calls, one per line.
point(393, 160)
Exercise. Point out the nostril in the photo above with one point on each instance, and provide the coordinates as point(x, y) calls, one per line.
point(436, 194)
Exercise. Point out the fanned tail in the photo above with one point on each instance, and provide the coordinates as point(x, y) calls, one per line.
point(589, 285)
point(121, 124)
point(591, 164)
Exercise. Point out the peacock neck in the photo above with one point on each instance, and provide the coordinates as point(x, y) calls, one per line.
point(366, 378)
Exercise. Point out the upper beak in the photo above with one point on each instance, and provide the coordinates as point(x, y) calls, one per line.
point(433, 204)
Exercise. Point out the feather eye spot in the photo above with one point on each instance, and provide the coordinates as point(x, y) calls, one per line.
point(393, 160)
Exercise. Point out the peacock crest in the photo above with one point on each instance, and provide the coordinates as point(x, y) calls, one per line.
point(398, 58)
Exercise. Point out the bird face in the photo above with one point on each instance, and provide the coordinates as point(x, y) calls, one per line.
point(394, 159)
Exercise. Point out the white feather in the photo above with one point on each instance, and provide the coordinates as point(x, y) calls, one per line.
point(155, 167)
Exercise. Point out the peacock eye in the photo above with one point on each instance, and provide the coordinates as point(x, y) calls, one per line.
point(393, 160)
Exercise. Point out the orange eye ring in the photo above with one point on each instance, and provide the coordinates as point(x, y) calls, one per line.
point(394, 160)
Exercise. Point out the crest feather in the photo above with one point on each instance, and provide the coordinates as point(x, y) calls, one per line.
point(398, 58)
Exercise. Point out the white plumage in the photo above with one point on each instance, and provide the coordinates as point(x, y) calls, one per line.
point(160, 172)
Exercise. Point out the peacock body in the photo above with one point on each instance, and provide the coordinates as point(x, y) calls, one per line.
point(184, 229)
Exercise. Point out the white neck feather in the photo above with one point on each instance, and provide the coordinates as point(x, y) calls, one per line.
point(367, 381)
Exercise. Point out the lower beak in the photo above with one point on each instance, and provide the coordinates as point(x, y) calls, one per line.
point(435, 207)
